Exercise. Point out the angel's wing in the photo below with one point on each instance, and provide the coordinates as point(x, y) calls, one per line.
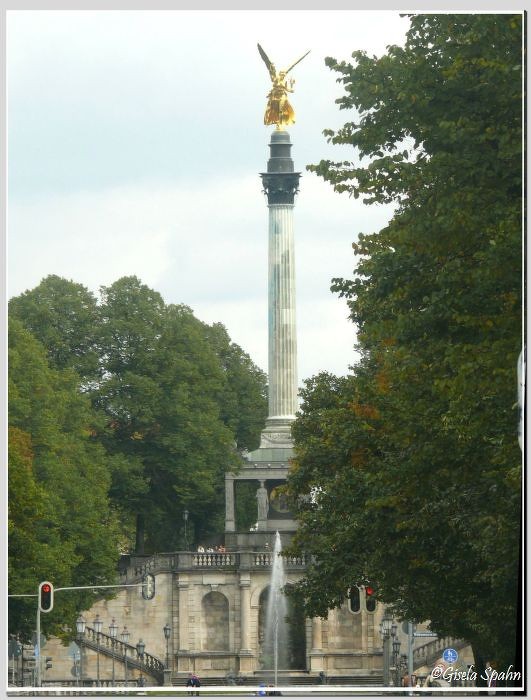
point(298, 61)
point(265, 58)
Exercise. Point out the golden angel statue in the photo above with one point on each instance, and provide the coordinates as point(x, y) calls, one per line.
point(278, 110)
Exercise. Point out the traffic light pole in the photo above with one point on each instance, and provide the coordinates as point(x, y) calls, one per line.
point(410, 651)
point(148, 592)
point(38, 649)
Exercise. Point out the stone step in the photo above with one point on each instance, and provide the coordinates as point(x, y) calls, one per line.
point(284, 680)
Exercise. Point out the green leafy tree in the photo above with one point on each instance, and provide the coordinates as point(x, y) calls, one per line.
point(414, 467)
point(63, 315)
point(61, 526)
point(162, 390)
point(243, 401)
point(174, 396)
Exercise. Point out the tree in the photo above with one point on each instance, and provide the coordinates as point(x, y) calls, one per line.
point(163, 391)
point(414, 468)
point(61, 526)
point(63, 316)
point(173, 400)
point(243, 402)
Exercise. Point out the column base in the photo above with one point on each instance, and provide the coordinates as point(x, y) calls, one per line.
point(277, 432)
point(167, 676)
point(247, 664)
point(317, 660)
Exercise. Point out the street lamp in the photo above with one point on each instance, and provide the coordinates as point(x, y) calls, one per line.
point(80, 629)
point(404, 664)
point(167, 633)
point(185, 516)
point(140, 646)
point(98, 626)
point(124, 636)
point(386, 629)
point(396, 659)
point(113, 631)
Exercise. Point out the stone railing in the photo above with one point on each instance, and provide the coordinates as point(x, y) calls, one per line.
point(134, 566)
point(428, 653)
point(121, 651)
point(158, 563)
point(215, 559)
point(265, 559)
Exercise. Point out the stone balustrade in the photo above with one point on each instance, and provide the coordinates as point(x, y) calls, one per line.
point(133, 567)
point(428, 653)
point(215, 559)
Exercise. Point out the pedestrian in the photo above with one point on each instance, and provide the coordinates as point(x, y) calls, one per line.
point(193, 682)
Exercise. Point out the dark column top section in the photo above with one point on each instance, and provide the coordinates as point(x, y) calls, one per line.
point(280, 182)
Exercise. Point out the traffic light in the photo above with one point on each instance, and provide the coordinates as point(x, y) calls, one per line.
point(48, 662)
point(354, 599)
point(370, 600)
point(45, 596)
point(148, 587)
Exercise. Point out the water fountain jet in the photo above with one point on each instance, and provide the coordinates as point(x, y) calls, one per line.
point(276, 631)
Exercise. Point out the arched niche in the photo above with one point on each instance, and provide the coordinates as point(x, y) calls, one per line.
point(215, 622)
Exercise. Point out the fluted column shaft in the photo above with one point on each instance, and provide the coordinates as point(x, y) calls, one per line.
point(282, 325)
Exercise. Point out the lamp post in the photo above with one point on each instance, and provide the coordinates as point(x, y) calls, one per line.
point(140, 647)
point(403, 664)
point(185, 517)
point(385, 632)
point(80, 629)
point(396, 659)
point(124, 636)
point(167, 633)
point(113, 631)
point(98, 626)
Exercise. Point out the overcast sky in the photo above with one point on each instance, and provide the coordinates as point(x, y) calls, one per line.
point(135, 142)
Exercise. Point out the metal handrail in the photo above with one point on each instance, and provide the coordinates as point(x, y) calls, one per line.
point(113, 647)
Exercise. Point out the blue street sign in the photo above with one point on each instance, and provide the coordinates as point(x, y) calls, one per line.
point(450, 656)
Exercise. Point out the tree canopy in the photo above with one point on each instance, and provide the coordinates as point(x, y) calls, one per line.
point(174, 400)
point(61, 525)
point(412, 462)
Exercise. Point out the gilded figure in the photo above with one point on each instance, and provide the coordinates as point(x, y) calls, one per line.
point(278, 109)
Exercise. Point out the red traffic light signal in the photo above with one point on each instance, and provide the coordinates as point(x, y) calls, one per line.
point(45, 596)
point(370, 600)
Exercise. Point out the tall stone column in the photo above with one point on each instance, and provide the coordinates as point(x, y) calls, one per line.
point(183, 613)
point(245, 606)
point(230, 523)
point(317, 634)
point(316, 654)
point(281, 184)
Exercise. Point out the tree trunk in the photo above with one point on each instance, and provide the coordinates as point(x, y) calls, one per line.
point(139, 542)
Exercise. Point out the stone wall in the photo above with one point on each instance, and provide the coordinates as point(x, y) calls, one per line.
point(212, 604)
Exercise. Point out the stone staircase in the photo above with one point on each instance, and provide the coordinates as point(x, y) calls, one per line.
point(295, 680)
